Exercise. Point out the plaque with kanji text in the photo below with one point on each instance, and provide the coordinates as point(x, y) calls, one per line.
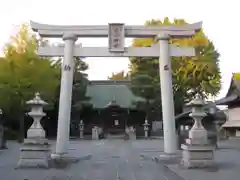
point(116, 37)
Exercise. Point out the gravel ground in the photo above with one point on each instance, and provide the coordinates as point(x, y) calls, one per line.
point(121, 160)
point(110, 160)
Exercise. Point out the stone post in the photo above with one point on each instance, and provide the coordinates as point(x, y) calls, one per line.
point(81, 129)
point(169, 131)
point(218, 131)
point(65, 100)
point(132, 133)
point(95, 133)
point(146, 128)
point(197, 152)
point(35, 152)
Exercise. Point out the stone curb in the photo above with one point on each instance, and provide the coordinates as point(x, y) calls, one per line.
point(168, 173)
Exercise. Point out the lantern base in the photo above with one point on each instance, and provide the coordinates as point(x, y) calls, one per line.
point(36, 132)
point(35, 153)
point(197, 156)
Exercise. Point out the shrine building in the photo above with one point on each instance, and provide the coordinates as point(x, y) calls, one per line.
point(112, 107)
point(232, 100)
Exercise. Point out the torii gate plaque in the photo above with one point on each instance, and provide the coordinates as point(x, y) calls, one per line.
point(116, 33)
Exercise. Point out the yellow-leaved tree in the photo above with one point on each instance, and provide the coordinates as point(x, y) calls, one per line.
point(191, 75)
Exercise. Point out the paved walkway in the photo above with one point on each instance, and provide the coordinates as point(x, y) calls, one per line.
point(227, 158)
point(111, 160)
point(119, 160)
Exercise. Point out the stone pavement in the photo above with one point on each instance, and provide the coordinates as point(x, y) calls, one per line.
point(227, 158)
point(118, 160)
point(111, 160)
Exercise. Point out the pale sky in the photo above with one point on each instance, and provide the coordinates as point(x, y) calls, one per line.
point(220, 22)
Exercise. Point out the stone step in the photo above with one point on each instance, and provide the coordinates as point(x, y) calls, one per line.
point(115, 136)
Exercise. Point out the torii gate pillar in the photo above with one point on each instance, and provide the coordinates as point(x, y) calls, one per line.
point(65, 100)
point(169, 131)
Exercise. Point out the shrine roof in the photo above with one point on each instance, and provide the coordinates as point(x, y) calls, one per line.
point(233, 93)
point(106, 91)
point(216, 115)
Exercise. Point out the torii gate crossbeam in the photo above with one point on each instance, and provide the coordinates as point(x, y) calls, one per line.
point(57, 31)
point(50, 51)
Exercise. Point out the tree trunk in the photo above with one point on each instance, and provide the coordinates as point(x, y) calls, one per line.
point(1, 136)
point(21, 123)
point(4, 140)
point(21, 128)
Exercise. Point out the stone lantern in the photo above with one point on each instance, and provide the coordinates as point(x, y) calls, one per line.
point(81, 128)
point(197, 152)
point(146, 128)
point(35, 150)
point(36, 130)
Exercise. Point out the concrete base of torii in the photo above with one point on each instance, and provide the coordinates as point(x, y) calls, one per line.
point(58, 160)
point(168, 158)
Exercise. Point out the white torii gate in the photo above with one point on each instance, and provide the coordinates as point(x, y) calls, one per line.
point(116, 32)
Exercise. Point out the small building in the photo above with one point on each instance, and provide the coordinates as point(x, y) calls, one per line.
point(232, 100)
point(112, 108)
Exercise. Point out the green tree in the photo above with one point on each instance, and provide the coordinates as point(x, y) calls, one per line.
point(191, 75)
point(23, 72)
point(80, 83)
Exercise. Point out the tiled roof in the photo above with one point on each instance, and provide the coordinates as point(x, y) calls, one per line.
point(104, 92)
point(218, 113)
